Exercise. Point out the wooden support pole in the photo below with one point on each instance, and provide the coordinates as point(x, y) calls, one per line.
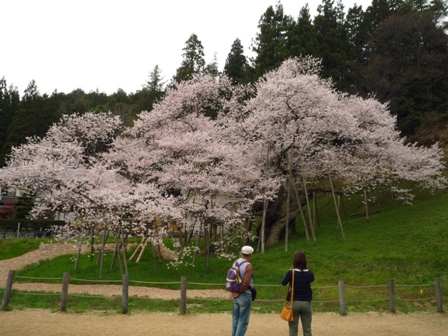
point(263, 224)
point(78, 255)
point(336, 207)
point(143, 250)
point(366, 205)
point(391, 291)
point(301, 212)
point(288, 198)
point(309, 211)
point(341, 287)
point(125, 294)
point(438, 295)
point(8, 288)
point(183, 295)
point(64, 293)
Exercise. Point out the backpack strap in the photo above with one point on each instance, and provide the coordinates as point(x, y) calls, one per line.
point(238, 265)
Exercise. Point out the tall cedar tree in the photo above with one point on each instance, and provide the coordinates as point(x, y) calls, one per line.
point(9, 103)
point(27, 120)
point(270, 42)
point(193, 61)
point(408, 67)
point(357, 40)
point(236, 64)
point(302, 38)
point(333, 42)
point(376, 13)
point(152, 92)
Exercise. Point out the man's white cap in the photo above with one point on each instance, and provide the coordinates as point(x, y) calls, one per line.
point(247, 250)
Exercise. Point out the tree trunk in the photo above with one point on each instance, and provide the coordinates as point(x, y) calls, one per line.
point(277, 231)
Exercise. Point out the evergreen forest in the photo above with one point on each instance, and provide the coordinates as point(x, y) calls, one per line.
point(394, 50)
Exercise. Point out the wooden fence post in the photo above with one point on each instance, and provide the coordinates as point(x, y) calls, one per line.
point(438, 295)
point(341, 287)
point(8, 288)
point(64, 293)
point(183, 295)
point(125, 294)
point(391, 290)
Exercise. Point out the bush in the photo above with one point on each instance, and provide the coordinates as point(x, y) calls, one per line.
point(36, 224)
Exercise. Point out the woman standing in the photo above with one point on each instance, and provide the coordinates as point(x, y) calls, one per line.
point(303, 295)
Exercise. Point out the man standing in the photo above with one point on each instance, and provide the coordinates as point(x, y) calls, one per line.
point(242, 301)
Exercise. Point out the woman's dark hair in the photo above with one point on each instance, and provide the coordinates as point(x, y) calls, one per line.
point(299, 260)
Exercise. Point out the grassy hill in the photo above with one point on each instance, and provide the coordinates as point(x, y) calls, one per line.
point(404, 243)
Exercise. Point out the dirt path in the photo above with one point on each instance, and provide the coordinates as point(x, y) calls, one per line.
point(43, 322)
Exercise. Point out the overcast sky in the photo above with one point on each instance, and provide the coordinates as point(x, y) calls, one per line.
point(105, 45)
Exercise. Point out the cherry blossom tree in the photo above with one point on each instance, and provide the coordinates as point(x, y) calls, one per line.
point(210, 153)
point(179, 147)
point(330, 136)
point(66, 172)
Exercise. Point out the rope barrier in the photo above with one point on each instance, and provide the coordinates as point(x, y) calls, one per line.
point(217, 284)
point(206, 284)
point(361, 301)
point(373, 286)
point(101, 281)
point(88, 296)
point(33, 293)
point(36, 278)
point(156, 283)
point(423, 285)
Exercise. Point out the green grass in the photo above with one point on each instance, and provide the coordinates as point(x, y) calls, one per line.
point(404, 243)
point(11, 248)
